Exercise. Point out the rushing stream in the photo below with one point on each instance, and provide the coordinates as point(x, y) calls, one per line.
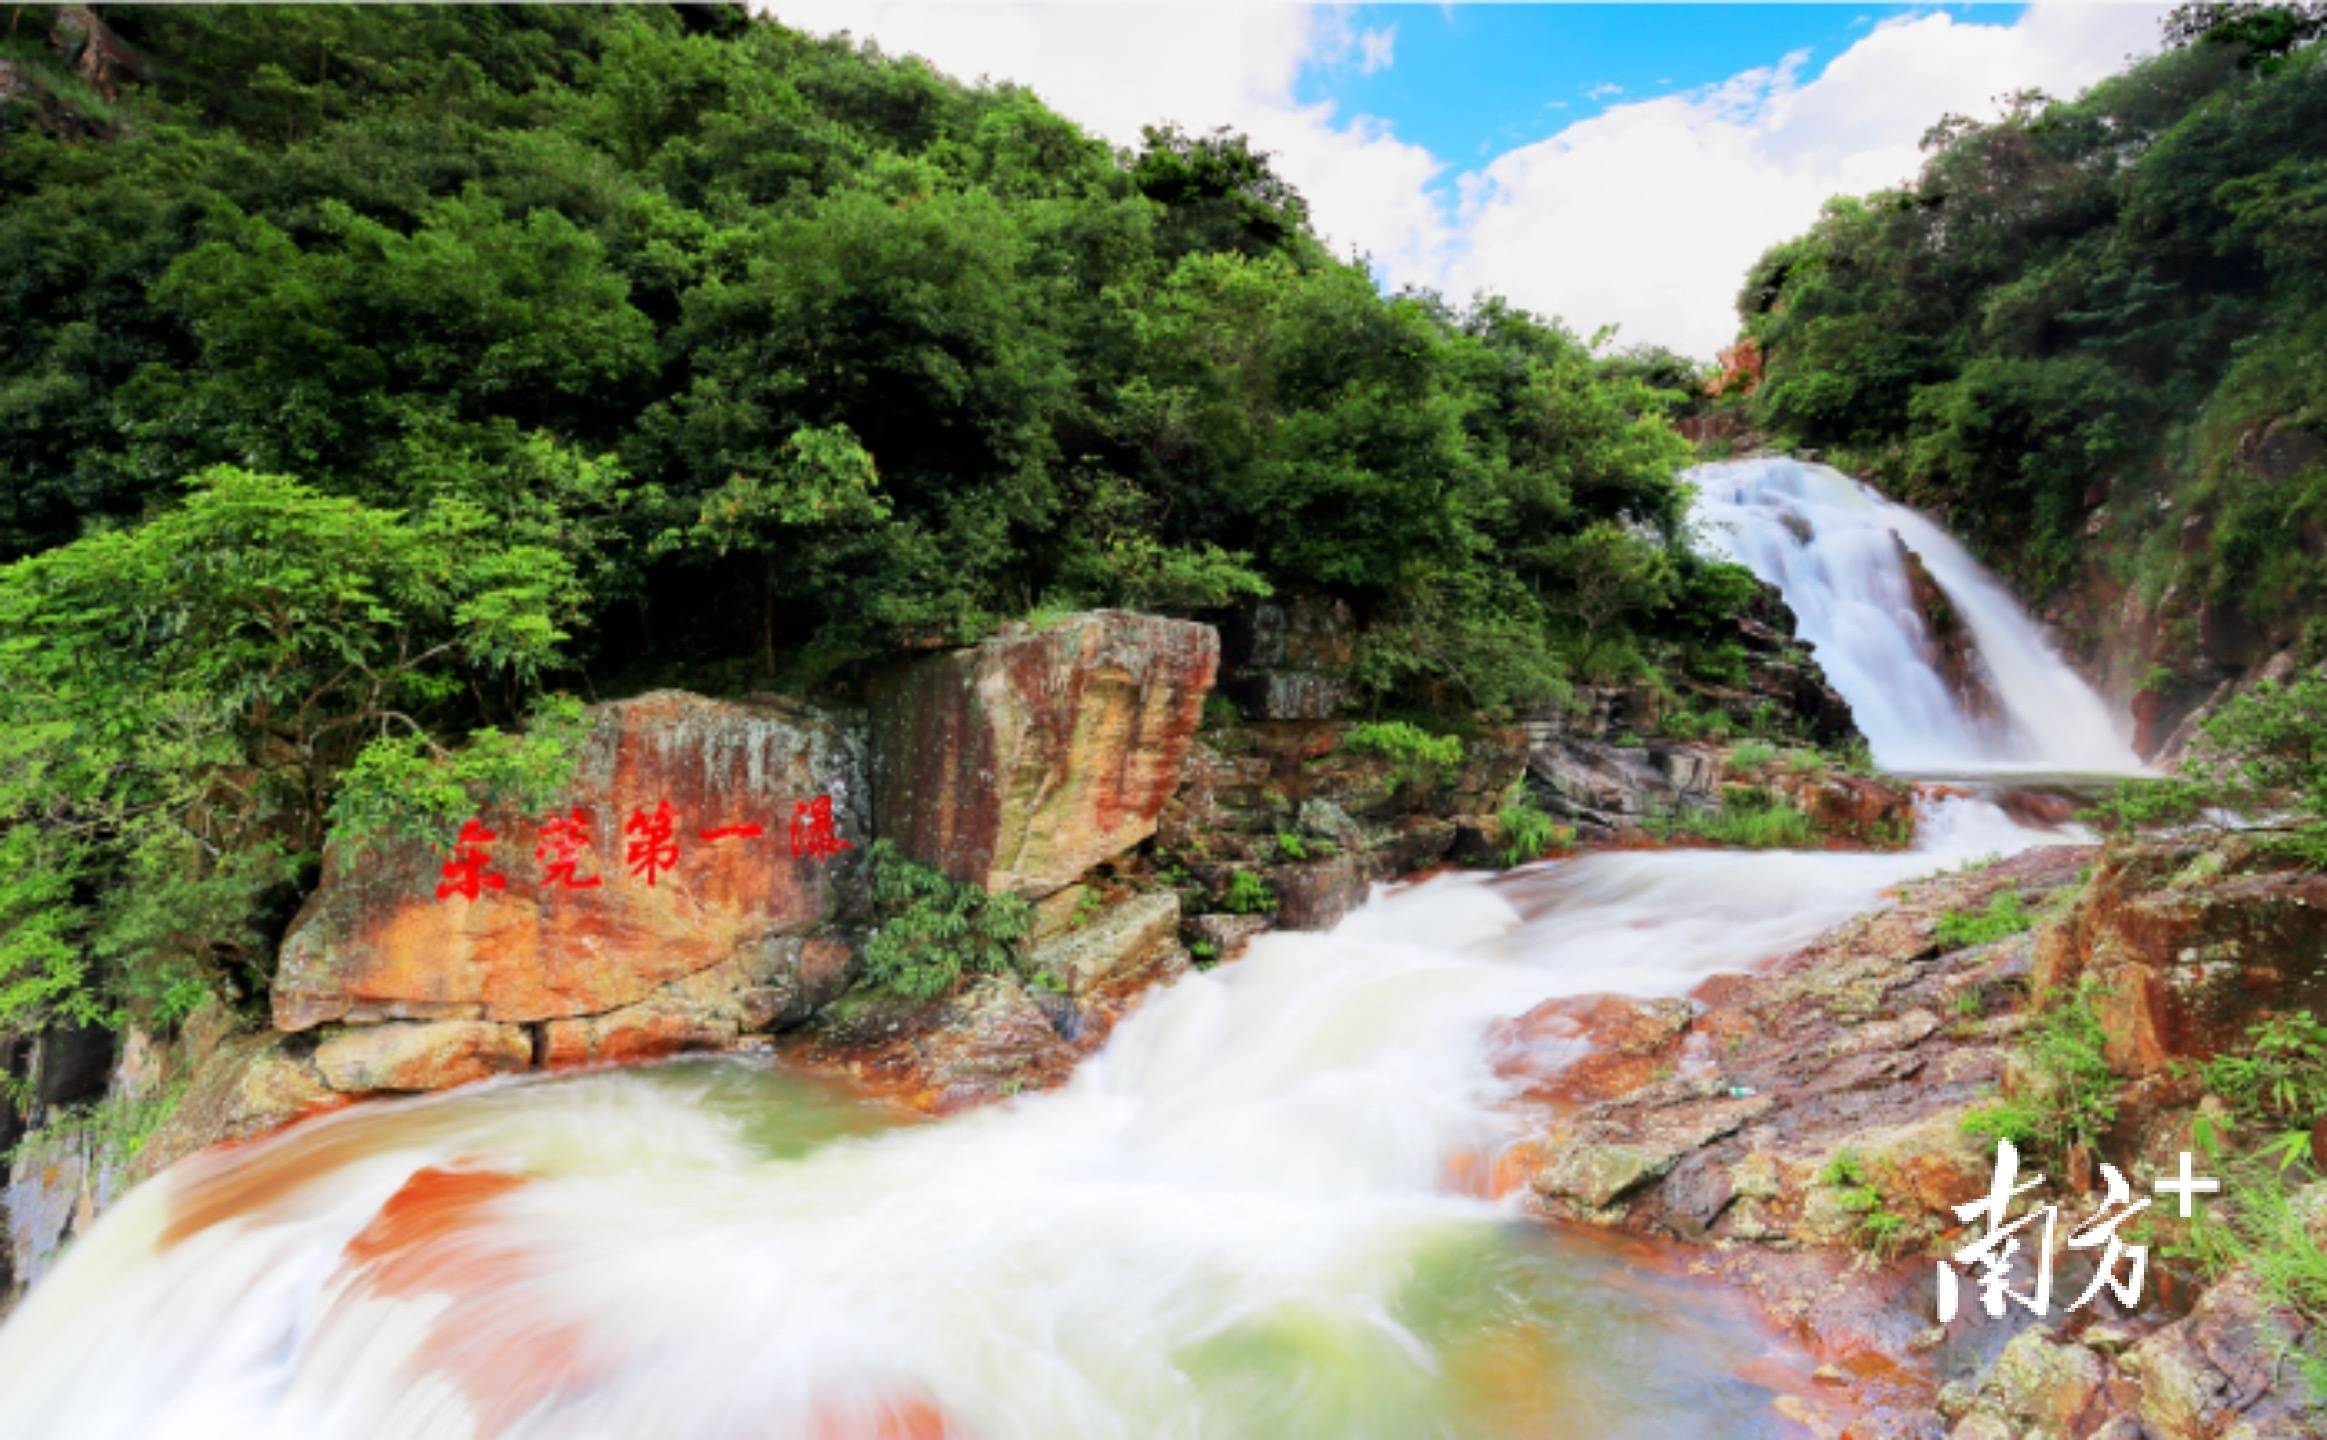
point(1237, 1220)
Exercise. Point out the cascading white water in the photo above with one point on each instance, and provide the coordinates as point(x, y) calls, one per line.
point(1235, 1221)
point(1831, 546)
point(1239, 1219)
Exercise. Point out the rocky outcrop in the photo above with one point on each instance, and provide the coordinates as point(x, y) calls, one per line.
point(420, 1054)
point(1728, 1122)
point(90, 46)
point(700, 884)
point(2224, 1371)
point(1874, 1039)
point(1859, 809)
point(2142, 616)
point(1784, 682)
point(775, 984)
point(1312, 823)
point(1112, 944)
point(685, 838)
point(1609, 788)
point(1948, 644)
point(1802, 1130)
point(1290, 658)
point(2186, 945)
point(1022, 762)
point(992, 1039)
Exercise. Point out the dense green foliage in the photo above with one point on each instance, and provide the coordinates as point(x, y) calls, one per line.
point(1749, 816)
point(514, 351)
point(2081, 317)
point(1416, 756)
point(2262, 757)
point(1527, 832)
point(178, 697)
point(931, 931)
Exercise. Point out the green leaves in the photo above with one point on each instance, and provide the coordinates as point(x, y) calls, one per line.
point(932, 931)
point(177, 699)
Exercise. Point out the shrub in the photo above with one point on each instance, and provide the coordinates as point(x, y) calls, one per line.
point(1415, 755)
point(1528, 833)
point(2004, 916)
point(2071, 1098)
point(2274, 1091)
point(931, 930)
point(1698, 725)
point(1247, 894)
point(1752, 754)
point(2283, 1077)
point(2265, 750)
point(1755, 820)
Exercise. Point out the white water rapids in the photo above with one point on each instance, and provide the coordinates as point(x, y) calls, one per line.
point(1236, 1220)
point(1831, 545)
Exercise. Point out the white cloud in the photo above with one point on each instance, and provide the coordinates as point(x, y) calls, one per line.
point(1115, 68)
point(1646, 214)
point(1605, 90)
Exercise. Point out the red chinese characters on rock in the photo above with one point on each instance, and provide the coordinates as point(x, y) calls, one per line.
point(814, 836)
point(651, 847)
point(563, 838)
point(465, 874)
point(731, 832)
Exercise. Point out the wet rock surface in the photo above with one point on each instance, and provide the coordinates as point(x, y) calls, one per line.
point(2186, 946)
point(1290, 659)
point(378, 942)
point(1762, 1128)
point(1719, 1128)
point(1022, 762)
point(1949, 646)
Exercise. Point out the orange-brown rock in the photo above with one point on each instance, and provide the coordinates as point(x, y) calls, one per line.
point(1021, 762)
point(2186, 947)
point(420, 1055)
point(1853, 807)
point(1591, 1047)
point(375, 941)
point(782, 981)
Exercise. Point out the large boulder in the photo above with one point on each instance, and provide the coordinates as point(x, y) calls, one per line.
point(1021, 762)
point(2186, 946)
point(781, 982)
point(391, 933)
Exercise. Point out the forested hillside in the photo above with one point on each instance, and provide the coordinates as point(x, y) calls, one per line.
point(2093, 336)
point(369, 378)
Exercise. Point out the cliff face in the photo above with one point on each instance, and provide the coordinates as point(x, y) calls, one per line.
point(2158, 613)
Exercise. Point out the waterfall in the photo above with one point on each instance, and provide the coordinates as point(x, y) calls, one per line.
point(1833, 548)
point(1255, 1212)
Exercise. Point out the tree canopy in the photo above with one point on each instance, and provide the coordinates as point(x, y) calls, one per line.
point(368, 374)
point(2077, 316)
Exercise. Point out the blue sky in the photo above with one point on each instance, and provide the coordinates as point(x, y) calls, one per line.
point(1467, 82)
point(1605, 164)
